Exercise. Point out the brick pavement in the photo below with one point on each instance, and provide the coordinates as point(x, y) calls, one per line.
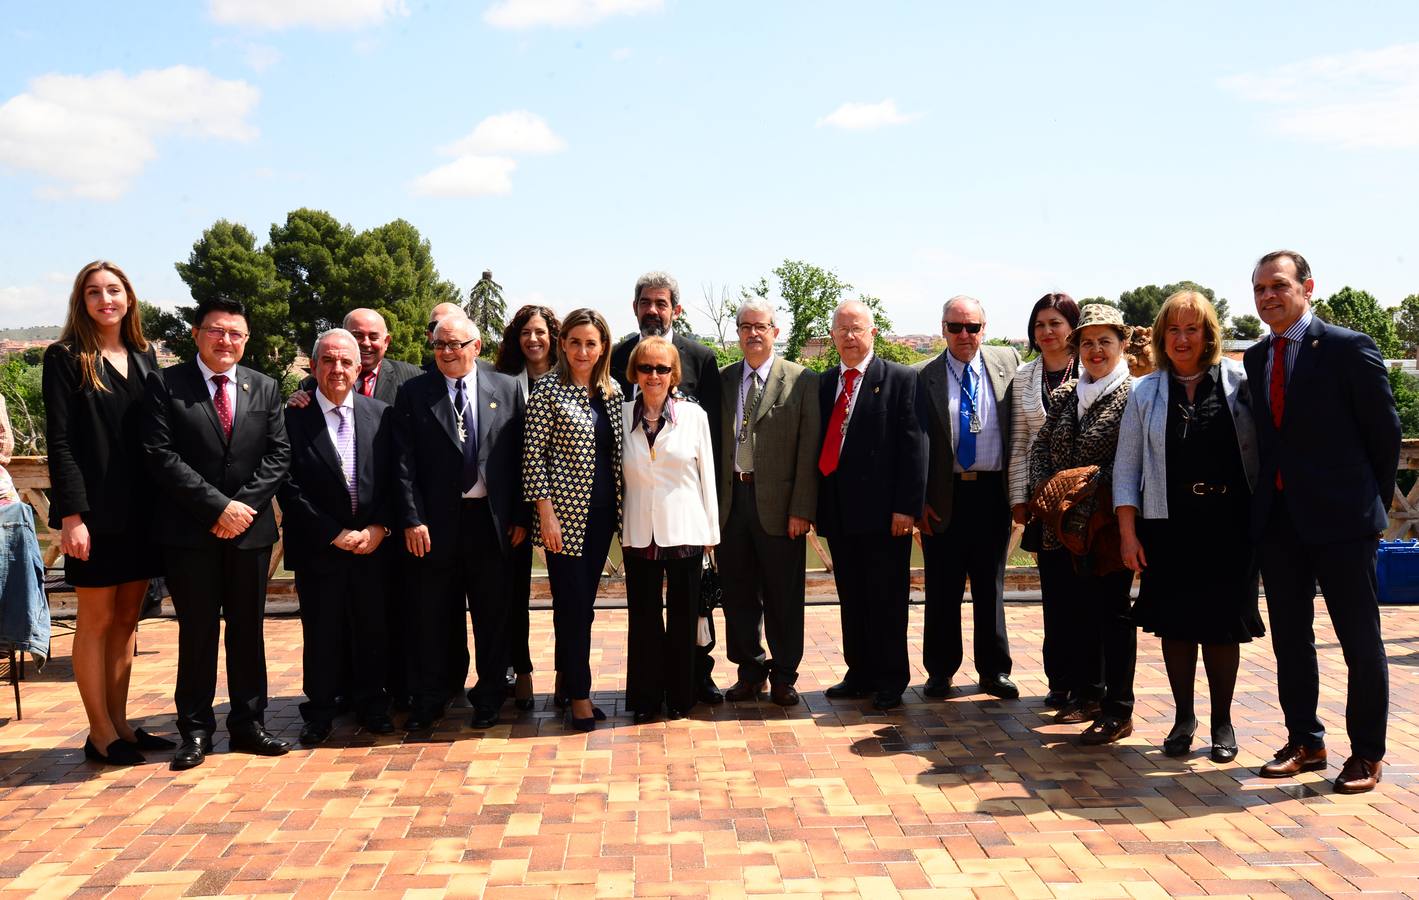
point(967, 797)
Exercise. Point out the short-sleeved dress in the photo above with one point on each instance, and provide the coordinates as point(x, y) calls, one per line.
point(1200, 584)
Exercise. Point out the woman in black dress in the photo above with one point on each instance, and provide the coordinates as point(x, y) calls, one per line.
point(93, 389)
point(1182, 484)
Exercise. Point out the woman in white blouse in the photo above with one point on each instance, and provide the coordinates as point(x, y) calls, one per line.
point(670, 515)
point(1052, 321)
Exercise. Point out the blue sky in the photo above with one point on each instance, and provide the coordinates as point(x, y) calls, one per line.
point(917, 149)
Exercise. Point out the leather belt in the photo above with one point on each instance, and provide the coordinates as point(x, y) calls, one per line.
point(744, 477)
point(1202, 489)
point(975, 476)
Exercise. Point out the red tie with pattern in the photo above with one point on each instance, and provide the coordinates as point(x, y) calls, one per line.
point(833, 440)
point(1278, 389)
point(367, 383)
point(224, 406)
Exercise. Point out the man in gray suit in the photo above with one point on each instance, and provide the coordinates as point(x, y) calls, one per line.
point(768, 495)
point(966, 525)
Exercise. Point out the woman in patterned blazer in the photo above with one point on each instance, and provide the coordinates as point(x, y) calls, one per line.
point(571, 473)
point(1052, 321)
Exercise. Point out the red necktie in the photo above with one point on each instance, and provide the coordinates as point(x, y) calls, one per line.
point(367, 383)
point(833, 440)
point(224, 407)
point(1278, 388)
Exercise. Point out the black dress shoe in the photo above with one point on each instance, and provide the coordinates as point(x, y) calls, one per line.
point(1000, 686)
point(937, 687)
point(672, 714)
point(1056, 699)
point(745, 691)
point(259, 741)
point(575, 724)
point(484, 717)
point(191, 752)
point(1179, 740)
point(640, 716)
point(784, 695)
point(422, 719)
point(1224, 744)
point(707, 692)
point(377, 723)
point(844, 691)
point(887, 700)
point(118, 753)
point(145, 741)
point(315, 733)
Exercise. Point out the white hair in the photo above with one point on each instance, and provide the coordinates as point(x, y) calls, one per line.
point(333, 333)
point(450, 320)
point(756, 304)
point(962, 298)
point(659, 280)
point(845, 305)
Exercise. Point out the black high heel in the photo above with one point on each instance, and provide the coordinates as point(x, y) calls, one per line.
point(1224, 744)
point(1179, 740)
point(120, 753)
point(524, 703)
point(142, 740)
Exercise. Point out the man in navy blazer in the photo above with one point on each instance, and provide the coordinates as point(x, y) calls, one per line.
point(215, 442)
point(460, 485)
point(873, 463)
point(1328, 436)
point(337, 505)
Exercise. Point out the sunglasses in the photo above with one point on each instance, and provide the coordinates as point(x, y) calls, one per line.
point(958, 327)
point(647, 368)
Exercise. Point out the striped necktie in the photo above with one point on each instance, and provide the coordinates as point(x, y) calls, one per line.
point(345, 447)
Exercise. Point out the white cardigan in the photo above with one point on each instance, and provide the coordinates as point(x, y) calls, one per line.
point(672, 497)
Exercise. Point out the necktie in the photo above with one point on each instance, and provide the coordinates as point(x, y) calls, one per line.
point(345, 447)
point(469, 433)
point(224, 406)
point(367, 383)
point(966, 443)
point(837, 425)
point(744, 450)
point(1278, 388)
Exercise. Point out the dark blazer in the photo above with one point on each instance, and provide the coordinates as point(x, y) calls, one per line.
point(1338, 447)
point(431, 457)
point(392, 375)
point(315, 505)
point(882, 469)
point(1000, 364)
point(198, 471)
point(786, 444)
point(699, 376)
point(84, 436)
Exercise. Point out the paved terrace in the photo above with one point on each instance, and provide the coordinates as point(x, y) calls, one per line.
point(967, 797)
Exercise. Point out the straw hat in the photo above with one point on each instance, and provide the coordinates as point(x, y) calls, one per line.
point(1100, 314)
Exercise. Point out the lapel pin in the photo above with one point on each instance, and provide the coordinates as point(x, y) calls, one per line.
point(246, 386)
point(1315, 343)
point(877, 389)
point(493, 404)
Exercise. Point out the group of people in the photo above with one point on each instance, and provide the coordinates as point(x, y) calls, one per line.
point(411, 501)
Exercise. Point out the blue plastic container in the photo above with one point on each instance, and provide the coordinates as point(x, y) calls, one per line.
point(1397, 566)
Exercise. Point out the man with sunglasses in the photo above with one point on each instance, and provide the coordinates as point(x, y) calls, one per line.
point(965, 527)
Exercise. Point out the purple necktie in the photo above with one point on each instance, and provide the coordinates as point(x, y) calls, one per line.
point(345, 447)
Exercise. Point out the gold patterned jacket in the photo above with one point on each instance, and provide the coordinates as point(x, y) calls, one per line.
point(559, 456)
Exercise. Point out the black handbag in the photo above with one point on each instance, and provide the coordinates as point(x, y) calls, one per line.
point(711, 590)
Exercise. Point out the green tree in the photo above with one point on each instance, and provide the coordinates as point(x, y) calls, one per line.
point(24, 401)
point(226, 263)
point(1406, 324)
point(487, 309)
point(1140, 306)
point(33, 356)
point(392, 270)
point(1089, 301)
point(1360, 311)
point(1246, 328)
point(810, 295)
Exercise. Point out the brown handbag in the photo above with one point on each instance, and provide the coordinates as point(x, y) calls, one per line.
point(1077, 505)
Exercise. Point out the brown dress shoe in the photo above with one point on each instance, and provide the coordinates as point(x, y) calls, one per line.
point(1293, 759)
point(784, 695)
point(745, 691)
point(1358, 776)
point(1077, 713)
point(1106, 730)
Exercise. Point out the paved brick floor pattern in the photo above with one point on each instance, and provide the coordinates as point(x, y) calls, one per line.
point(966, 797)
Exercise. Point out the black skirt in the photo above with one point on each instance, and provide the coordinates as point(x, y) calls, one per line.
point(114, 559)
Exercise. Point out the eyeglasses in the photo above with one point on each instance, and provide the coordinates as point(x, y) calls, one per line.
point(216, 334)
point(855, 331)
point(755, 327)
point(440, 346)
point(647, 368)
point(431, 326)
point(957, 327)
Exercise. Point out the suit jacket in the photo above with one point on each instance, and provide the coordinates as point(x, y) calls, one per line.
point(882, 466)
point(699, 376)
point(315, 504)
point(431, 457)
point(559, 456)
point(670, 494)
point(392, 375)
point(1000, 364)
point(786, 445)
point(1338, 445)
point(85, 437)
point(198, 471)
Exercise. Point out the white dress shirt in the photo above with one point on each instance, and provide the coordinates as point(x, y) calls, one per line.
point(332, 418)
point(763, 373)
point(990, 456)
point(229, 387)
point(470, 419)
point(856, 391)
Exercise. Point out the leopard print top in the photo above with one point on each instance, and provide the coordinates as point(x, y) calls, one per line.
point(1066, 441)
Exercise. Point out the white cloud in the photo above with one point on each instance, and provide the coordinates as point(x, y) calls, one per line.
point(563, 13)
point(261, 57)
point(866, 116)
point(93, 134)
point(1365, 99)
point(510, 133)
point(621, 54)
point(468, 176)
point(277, 15)
point(37, 303)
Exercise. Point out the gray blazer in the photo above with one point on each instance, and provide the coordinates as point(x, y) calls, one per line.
point(1000, 365)
point(1140, 463)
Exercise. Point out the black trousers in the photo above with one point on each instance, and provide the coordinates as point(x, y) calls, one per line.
point(1099, 640)
point(519, 619)
point(660, 651)
point(472, 581)
point(399, 576)
point(1346, 572)
point(873, 577)
point(343, 601)
point(574, 582)
point(210, 585)
point(762, 576)
point(972, 544)
point(1055, 569)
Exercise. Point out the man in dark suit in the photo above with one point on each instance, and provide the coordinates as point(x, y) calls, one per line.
point(873, 462)
point(768, 497)
point(657, 306)
point(1328, 438)
point(216, 444)
point(965, 528)
point(336, 503)
point(460, 480)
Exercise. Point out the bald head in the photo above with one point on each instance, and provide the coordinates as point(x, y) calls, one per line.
point(853, 331)
point(441, 312)
point(371, 335)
